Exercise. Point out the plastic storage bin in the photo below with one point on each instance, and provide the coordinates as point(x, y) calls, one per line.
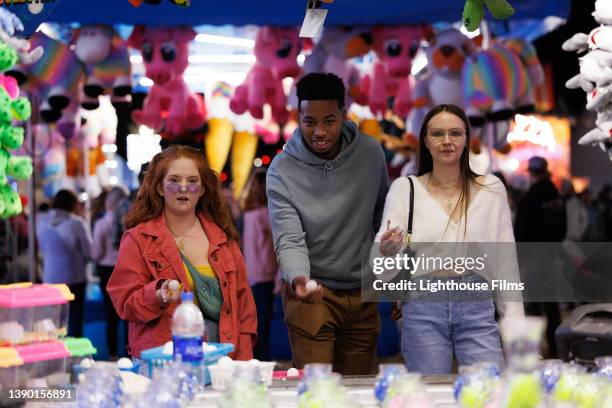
point(10, 365)
point(64, 308)
point(156, 358)
point(33, 313)
point(44, 364)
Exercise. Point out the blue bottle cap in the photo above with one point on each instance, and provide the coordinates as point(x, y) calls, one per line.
point(187, 296)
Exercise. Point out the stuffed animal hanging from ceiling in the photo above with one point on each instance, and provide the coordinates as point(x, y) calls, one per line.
point(395, 47)
point(446, 54)
point(13, 108)
point(9, 23)
point(595, 77)
point(332, 54)
point(499, 82)
point(107, 64)
point(54, 82)
point(276, 50)
point(227, 131)
point(98, 128)
point(170, 106)
point(474, 11)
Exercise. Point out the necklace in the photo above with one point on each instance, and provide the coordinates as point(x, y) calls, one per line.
point(180, 241)
point(449, 199)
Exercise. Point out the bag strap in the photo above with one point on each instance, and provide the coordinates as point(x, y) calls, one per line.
point(190, 267)
point(410, 210)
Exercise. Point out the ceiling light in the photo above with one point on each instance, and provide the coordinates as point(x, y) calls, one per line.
point(223, 40)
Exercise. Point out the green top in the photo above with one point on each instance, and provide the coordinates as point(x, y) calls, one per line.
point(79, 347)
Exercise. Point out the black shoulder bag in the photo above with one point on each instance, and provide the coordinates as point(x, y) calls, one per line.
point(405, 274)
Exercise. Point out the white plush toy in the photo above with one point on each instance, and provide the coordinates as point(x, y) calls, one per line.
point(595, 76)
point(446, 55)
point(603, 12)
point(9, 24)
point(602, 134)
point(595, 71)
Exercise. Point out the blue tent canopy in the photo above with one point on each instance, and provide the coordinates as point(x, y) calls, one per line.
point(284, 12)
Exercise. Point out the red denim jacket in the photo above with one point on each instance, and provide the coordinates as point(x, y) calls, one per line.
point(147, 256)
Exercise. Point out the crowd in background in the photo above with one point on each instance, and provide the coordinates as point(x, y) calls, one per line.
point(67, 244)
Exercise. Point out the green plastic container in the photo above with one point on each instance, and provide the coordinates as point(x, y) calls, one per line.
point(79, 349)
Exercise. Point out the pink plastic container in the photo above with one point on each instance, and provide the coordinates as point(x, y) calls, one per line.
point(44, 364)
point(33, 313)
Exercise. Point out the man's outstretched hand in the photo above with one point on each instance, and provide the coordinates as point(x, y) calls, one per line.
point(304, 292)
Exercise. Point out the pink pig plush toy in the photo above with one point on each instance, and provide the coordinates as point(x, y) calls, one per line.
point(165, 55)
point(395, 47)
point(276, 51)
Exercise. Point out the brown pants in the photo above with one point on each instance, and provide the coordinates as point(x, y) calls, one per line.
point(341, 330)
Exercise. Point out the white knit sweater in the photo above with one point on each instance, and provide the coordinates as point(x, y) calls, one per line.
point(488, 221)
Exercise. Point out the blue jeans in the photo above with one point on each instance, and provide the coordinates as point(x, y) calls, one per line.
point(438, 325)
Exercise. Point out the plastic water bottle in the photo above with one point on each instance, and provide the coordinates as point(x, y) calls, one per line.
point(187, 331)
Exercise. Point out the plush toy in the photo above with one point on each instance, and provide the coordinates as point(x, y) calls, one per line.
point(169, 105)
point(276, 50)
point(331, 54)
point(50, 161)
point(8, 57)
point(107, 63)
point(598, 136)
point(11, 203)
point(395, 47)
point(473, 11)
point(220, 134)
point(84, 158)
point(9, 23)
point(595, 77)
point(12, 108)
point(499, 81)
point(19, 167)
point(595, 71)
point(603, 12)
point(446, 55)
point(54, 79)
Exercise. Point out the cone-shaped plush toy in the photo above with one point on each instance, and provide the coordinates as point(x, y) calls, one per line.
point(243, 153)
point(218, 142)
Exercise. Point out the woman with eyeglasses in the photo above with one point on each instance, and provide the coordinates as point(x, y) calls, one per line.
point(449, 313)
point(179, 229)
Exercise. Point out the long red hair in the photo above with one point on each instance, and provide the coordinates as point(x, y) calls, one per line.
point(149, 204)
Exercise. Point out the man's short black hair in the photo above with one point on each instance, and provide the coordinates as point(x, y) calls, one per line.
point(319, 86)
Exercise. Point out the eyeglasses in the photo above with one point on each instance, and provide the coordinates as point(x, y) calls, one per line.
point(453, 133)
point(174, 188)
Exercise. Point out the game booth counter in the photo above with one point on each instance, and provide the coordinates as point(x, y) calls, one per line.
point(83, 104)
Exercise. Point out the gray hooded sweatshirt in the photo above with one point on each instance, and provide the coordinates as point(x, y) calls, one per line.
point(323, 211)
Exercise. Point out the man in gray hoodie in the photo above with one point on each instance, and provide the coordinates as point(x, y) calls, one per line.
point(326, 193)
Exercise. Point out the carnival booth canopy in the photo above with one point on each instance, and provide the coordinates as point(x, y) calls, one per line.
point(287, 12)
